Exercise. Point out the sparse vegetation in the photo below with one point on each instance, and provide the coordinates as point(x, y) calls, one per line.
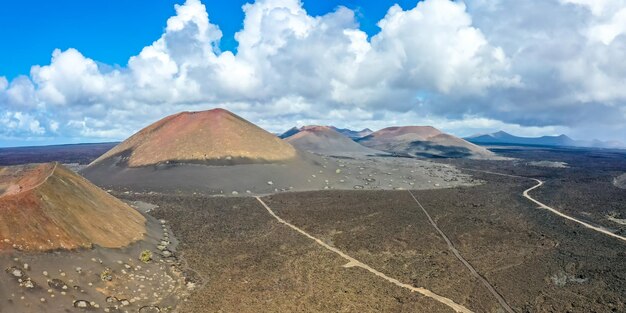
point(106, 275)
point(145, 256)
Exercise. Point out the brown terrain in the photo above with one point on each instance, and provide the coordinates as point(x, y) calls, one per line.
point(175, 140)
point(48, 207)
point(251, 261)
point(459, 238)
point(326, 140)
point(213, 136)
point(66, 245)
point(423, 141)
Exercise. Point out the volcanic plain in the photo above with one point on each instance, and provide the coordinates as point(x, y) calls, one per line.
point(535, 260)
point(317, 224)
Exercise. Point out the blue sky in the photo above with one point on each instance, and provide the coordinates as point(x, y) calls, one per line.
point(89, 71)
point(111, 31)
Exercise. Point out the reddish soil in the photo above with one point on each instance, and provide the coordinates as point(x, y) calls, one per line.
point(325, 140)
point(201, 137)
point(424, 141)
point(47, 207)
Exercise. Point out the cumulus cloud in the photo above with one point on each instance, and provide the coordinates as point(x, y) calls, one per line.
point(569, 77)
point(441, 62)
point(18, 123)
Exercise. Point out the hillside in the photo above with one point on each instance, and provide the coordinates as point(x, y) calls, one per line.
point(212, 137)
point(48, 207)
point(325, 140)
point(353, 134)
point(423, 141)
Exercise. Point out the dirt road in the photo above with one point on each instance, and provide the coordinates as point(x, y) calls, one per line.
point(458, 255)
point(544, 206)
point(352, 262)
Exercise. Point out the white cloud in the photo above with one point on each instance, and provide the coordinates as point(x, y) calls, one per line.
point(20, 93)
point(534, 64)
point(606, 32)
point(609, 19)
point(434, 47)
point(16, 123)
point(70, 79)
point(570, 78)
point(598, 7)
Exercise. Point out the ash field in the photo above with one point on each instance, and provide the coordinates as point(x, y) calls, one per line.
point(315, 223)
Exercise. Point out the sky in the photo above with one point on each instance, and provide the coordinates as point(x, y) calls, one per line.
point(91, 71)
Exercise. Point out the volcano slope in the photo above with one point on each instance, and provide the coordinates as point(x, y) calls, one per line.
point(325, 140)
point(216, 152)
point(65, 244)
point(211, 137)
point(47, 207)
point(423, 141)
point(209, 151)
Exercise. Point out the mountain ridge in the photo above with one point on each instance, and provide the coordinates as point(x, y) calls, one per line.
point(326, 140)
point(502, 137)
point(423, 141)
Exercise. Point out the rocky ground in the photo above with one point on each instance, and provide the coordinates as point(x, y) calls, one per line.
point(316, 173)
point(144, 277)
point(585, 189)
point(235, 257)
point(537, 261)
point(251, 263)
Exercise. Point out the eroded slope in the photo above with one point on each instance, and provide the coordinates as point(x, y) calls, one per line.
point(213, 136)
point(48, 207)
point(424, 141)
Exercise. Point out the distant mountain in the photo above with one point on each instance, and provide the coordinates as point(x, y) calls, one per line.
point(208, 152)
point(423, 141)
point(506, 138)
point(326, 140)
point(292, 131)
point(353, 134)
point(502, 137)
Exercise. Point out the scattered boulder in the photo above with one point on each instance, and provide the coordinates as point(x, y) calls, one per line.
point(29, 284)
point(15, 272)
point(150, 309)
point(82, 304)
point(57, 284)
point(111, 300)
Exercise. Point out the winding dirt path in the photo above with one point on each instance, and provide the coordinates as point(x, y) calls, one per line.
point(352, 262)
point(458, 255)
point(544, 206)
